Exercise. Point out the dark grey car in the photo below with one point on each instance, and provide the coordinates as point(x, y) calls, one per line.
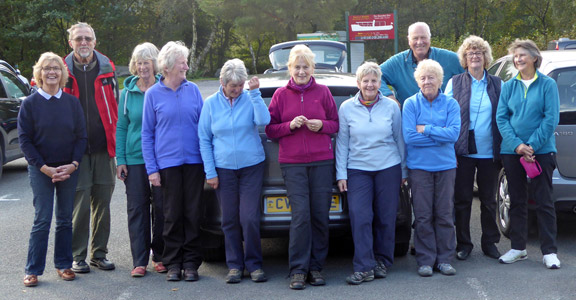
point(561, 66)
point(275, 205)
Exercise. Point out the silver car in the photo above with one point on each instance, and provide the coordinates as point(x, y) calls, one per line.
point(561, 66)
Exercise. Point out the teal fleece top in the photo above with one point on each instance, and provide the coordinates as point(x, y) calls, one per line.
point(398, 71)
point(228, 134)
point(432, 150)
point(129, 126)
point(528, 115)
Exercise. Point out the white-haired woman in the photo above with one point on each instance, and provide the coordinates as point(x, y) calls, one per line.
point(370, 167)
point(303, 116)
point(53, 138)
point(431, 125)
point(527, 115)
point(234, 164)
point(141, 197)
point(478, 146)
point(171, 153)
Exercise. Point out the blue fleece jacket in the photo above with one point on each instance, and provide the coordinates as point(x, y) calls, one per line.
point(229, 137)
point(398, 71)
point(432, 150)
point(528, 115)
point(369, 140)
point(170, 126)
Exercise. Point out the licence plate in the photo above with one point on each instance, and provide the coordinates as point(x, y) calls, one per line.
point(281, 204)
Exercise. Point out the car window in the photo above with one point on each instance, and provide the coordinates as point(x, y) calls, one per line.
point(14, 88)
point(566, 80)
point(493, 69)
point(508, 70)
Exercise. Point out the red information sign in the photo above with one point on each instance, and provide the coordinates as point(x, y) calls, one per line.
point(371, 27)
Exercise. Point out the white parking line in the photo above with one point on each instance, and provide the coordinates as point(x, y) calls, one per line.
point(475, 284)
point(6, 199)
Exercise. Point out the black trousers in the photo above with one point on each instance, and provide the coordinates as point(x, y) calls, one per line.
point(487, 177)
point(182, 189)
point(545, 212)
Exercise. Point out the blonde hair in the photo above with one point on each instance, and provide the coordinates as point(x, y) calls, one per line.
point(475, 42)
point(301, 51)
point(44, 60)
point(143, 52)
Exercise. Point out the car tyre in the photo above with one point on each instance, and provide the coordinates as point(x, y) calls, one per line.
point(212, 247)
point(503, 203)
point(403, 222)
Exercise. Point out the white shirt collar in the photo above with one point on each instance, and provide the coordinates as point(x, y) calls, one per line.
point(48, 96)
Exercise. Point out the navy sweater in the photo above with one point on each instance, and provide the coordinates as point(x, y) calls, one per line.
point(51, 132)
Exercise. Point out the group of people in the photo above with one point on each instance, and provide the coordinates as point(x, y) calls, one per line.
point(445, 123)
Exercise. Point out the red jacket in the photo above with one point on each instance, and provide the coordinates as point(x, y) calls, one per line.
point(302, 145)
point(106, 95)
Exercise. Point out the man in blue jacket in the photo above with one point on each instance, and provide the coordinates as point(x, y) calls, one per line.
point(398, 70)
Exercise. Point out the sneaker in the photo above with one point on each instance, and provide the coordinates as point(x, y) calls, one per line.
point(139, 271)
point(513, 255)
point(80, 267)
point(380, 270)
point(315, 278)
point(102, 264)
point(425, 271)
point(446, 269)
point(359, 277)
point(258, 276)
point(551, 261)
point(234, 276)
point(298, 281)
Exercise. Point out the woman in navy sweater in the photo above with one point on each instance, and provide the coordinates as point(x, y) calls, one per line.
point(53, 138)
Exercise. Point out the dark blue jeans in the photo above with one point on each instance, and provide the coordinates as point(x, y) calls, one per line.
point(43, 191)
point(373, 202)
point(141, 200)
point(239, 195)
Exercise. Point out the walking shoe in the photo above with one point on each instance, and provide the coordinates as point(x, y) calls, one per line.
point(491, 251)
point(258, 276)
point(425, 271)
point(139, 271)
point(80, 267)
point(315, 278)
point(30, 280)
point(66, 274)
point(513, 255)
point(174, 274)
point(380, 270)
point(298, 281)
point(359, 277)
point(551, 261)
point(462, 255)
point(159, 267)
point(446, 269)
point(191, 274)
point(234, 276)
point(102, 264)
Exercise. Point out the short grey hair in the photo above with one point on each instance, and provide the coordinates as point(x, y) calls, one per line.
point(233, 70)
point(143, 52)
point(419, 24)
point(530, 46)
point(475, 42)
point(429, 65)
point(169, 53)
point(367, 68)
point(80, 25)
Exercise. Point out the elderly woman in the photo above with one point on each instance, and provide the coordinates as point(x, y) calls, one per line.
point(234, 164)
point(141, 198)
point(303, 116)
point(171, 153)
point(370, 166)
point(478, 146)
point(431, 124)
point(52, 136)
point(528, 113)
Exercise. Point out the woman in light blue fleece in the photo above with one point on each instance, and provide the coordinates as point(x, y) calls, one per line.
point(233, 157)
point(370, 166)
point(527, 115)
point(431, 126)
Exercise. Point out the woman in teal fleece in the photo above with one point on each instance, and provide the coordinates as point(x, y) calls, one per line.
point(131, 169)
point(431, 126)
point(528, 113)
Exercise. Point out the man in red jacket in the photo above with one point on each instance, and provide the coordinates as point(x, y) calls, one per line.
point(93, 81)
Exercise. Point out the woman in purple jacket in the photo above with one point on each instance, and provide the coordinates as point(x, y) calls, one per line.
point(303, 116)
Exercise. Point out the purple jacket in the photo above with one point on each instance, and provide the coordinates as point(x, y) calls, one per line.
point(302, 145)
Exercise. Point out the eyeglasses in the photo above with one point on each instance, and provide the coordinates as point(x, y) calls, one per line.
point(472, 54)
point(48, 69)
point(79, 39)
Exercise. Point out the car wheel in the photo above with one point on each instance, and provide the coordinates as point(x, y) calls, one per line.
point(212, 247)
point(1, 161)
point(503, 202)
point(403, 222)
